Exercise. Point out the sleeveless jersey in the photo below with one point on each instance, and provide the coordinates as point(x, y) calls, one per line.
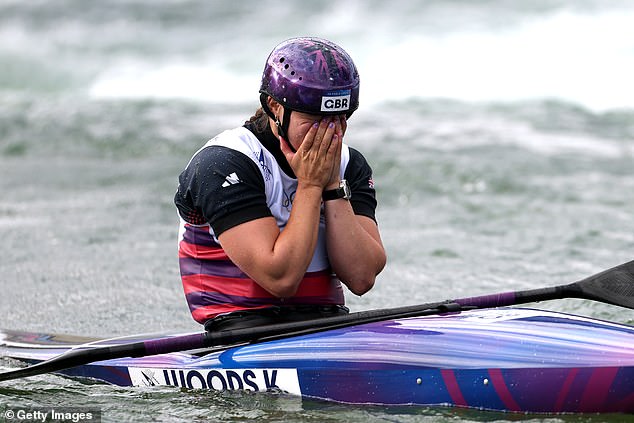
point(232, 179)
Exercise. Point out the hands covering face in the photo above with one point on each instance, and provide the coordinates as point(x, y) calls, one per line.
point(318, 158)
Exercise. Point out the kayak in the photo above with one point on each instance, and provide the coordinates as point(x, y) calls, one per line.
point(507, 359)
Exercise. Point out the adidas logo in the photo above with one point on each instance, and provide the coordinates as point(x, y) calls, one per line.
point(231, 180)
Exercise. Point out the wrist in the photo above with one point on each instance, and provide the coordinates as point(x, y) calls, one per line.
point(332, 185)
point(309, 188)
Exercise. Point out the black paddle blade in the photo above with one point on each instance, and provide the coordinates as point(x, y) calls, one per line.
point(613, 286)
point(33, 370)
point(74, 358)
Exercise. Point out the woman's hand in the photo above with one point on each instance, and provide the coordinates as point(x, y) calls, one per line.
point(319, 154)
point(335, 176)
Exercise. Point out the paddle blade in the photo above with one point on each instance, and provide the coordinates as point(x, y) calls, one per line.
point(80, 357)
point(613, 286)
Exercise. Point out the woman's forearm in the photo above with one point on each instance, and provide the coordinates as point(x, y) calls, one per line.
point(354, 245)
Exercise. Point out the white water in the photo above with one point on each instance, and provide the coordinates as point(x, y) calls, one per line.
point(584, 57)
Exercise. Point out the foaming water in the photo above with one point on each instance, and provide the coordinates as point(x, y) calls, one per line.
point(494, 51)
point(577, 56)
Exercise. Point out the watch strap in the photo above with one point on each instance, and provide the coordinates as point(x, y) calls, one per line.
point(333, 194)
point(343, 191)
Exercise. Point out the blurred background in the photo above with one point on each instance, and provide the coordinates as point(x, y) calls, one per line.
point(501, 134)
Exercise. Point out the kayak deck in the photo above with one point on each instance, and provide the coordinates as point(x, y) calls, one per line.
point(509, 359)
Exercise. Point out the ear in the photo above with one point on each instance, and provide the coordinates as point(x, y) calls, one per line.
point(275, 107)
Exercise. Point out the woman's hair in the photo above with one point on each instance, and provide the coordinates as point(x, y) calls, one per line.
point(260, 120)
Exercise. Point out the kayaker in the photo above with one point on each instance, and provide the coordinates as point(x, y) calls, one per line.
point(276, 213)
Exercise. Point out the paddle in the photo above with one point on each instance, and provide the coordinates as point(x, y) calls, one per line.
point(613, 286)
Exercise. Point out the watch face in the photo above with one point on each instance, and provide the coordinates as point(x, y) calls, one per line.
point(347, 193)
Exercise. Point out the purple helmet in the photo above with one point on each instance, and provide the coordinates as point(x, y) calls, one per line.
point(312, 75)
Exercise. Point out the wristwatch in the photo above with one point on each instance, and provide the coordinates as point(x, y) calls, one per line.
point(342, 192)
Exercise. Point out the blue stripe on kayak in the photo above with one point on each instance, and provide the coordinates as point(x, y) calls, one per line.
point(477, 389)
point(367, 386)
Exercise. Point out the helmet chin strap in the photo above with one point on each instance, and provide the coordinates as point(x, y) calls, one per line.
point(282, 127)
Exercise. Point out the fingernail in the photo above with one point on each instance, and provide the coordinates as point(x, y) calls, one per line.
point(331, 125)
point(316, 125)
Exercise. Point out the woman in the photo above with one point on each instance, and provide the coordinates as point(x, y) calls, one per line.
point(277, 213)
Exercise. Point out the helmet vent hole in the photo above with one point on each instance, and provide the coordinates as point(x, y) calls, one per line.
point(292, 72)
point(286, 66)
point(281, 60)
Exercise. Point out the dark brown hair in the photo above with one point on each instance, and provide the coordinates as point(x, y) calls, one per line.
point(260, 120)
